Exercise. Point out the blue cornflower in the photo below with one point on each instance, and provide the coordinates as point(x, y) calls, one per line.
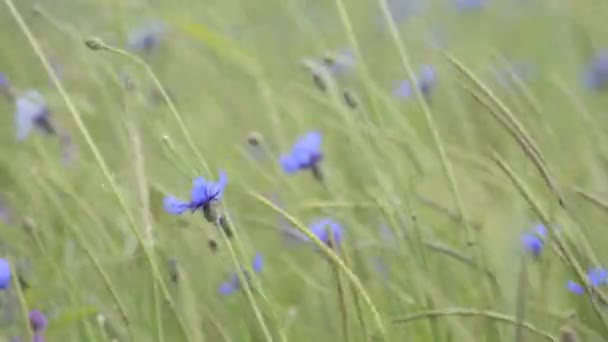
point(426, 82)
point(596, 74)
point(5, 274)
point(203, 193)
point(322, 227)
point(305, 153)
point(32, 111)
point(533, 241)
point(234, 284)
point(147, 37)
point(467, 5)
point(596, 276)
point(575, 287)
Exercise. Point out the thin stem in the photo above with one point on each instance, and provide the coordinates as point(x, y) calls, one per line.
point(98, 158)
point(245, 285)
point(342, 301)
point(25, 312)
point(475, 313)
point(328, 252)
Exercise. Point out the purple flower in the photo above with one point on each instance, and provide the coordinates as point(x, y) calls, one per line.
point(426, 82)
point(203, 193)
point(467, 5)
point(305, 153)
point(233, 285)
point(596, 75)
point(5, 274)
point(322, 228)
point(38, 321)
point(147, 37)
point(32, 111)
point(596, 276)
point(533, 241)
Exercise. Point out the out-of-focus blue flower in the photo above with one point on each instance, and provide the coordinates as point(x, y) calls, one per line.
point(5, 274)
point(596, 276)
point(401, 10)
point(342, 62)
point(468, 5)
point(32, 111)
point(575, 287)
point(305, 153)
point(533, 241)
point(233, 285)
point(322, 228)
point(38, 321)
point(426, 80)
point(596, 74)
point(4, 81)
point(147, 37)
point(203, 193)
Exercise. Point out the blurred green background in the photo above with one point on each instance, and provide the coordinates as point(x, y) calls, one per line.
point(453, 204)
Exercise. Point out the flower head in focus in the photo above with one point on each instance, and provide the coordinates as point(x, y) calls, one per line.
point(233, 284)
point(203, 193)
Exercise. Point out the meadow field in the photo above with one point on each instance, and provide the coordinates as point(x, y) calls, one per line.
point(303, 170)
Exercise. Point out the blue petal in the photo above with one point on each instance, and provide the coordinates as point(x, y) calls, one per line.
point(258, 262)
point(598, 276)
point(403, 90)
point(217, 191)
point(310, 141)
point(5, 274)
point(575, 288)
point(227, 288)
point(541, 230)
point(175, 206)
point(289, 164)
point(532, 243)
point(321, 231)
point(223, 180)
point(199, 191)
